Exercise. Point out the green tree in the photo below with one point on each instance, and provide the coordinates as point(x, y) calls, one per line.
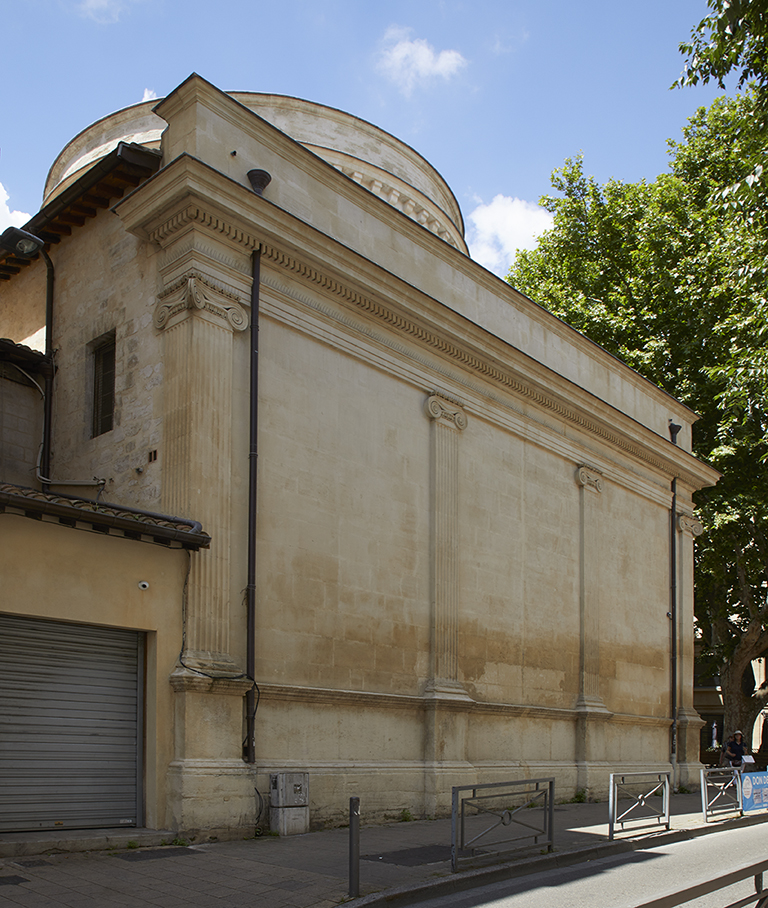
point(733, 41)
point(654, 272)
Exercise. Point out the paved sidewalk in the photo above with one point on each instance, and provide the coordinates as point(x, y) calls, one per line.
point(400, 863)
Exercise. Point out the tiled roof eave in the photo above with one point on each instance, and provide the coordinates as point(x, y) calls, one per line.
point(82, 513)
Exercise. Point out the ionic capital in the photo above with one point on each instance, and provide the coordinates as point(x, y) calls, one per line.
point(590, 478)
point(193, 293)
point(449, 412)
point(689, 525)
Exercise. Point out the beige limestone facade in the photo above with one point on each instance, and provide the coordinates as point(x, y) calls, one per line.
point(463, 533)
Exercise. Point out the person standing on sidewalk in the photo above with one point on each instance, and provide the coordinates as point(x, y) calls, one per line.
point(735, 750)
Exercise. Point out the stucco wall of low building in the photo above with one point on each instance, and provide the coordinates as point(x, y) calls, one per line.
point(56, 572)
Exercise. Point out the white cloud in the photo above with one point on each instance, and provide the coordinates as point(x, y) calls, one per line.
point(409, 63)
point(508, 43)
point(105, 12)
point(149, 94)
point(497, 230)
point(10, 218)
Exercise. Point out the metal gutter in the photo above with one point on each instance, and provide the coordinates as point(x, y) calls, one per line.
point(125, 153)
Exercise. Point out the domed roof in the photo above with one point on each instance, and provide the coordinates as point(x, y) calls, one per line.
point(372, 157)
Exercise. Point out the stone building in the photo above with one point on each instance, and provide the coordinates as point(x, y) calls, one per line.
point(428, 518)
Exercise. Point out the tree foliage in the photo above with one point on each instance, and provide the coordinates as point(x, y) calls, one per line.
point(663, 276)
point(733, 41)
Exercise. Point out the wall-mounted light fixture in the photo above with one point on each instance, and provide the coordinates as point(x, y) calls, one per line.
point(18, 241)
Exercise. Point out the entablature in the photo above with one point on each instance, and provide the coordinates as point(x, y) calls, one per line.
point(187, 197)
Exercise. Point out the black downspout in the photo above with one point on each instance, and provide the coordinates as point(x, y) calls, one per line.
point(673, 613)
point(45, 458)
point(250, 664)
point(673, 433)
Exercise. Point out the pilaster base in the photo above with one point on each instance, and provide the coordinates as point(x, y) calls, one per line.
point(591, 718)
point(212, 798)
point(592, 777)
point(689, 724)
point(214, 665)
point(447, 691)
point(210, 788)
point(445, 737)
point(687, 768)
point(439, 780)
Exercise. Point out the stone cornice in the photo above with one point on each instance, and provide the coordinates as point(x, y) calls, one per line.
point(377, 345)
point(479, 362)
point(484, 365)
point(325, 163)
point(181, 197)
point(237, 222)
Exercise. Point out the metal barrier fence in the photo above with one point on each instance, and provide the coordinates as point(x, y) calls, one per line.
point(638, 788)
point(760, 898)
point(720, 791)
point(484, 819)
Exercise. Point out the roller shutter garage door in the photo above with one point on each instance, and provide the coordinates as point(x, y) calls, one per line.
point(70, 725)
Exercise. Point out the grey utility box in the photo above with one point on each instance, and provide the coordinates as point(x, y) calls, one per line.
point(289, 803)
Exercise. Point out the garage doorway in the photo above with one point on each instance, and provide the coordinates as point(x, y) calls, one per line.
point(71, 725)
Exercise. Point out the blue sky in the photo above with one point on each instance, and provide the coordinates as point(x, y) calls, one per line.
point(494, 94)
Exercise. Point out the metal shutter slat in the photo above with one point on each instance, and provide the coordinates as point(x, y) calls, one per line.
point(69, 725)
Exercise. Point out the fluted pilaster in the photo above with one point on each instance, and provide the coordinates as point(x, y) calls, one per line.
point(590, 709)
point(590, 484)
point(688, 529)
point(448, 421)
point(198, 320)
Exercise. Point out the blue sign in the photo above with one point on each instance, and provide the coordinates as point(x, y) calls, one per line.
point(754, 791)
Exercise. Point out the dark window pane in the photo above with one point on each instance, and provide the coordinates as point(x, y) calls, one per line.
point(103, 387)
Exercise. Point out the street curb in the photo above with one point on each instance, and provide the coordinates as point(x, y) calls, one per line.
point(470, 879)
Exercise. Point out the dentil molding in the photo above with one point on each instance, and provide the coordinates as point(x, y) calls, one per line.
point(198, 214)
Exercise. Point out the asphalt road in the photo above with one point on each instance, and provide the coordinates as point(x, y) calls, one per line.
point(629, 880)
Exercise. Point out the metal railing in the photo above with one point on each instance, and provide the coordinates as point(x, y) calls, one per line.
point(759, 899)
point(638, 788)
point(496, 813)
point(720, 791)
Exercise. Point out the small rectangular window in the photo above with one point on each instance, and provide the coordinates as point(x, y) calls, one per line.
point(103, 386)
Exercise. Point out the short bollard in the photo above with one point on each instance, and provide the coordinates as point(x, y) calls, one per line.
point(354, 847)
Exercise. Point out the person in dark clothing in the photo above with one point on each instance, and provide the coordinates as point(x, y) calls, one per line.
point(735, 750)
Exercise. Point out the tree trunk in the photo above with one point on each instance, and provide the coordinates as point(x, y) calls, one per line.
point(740, 709)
